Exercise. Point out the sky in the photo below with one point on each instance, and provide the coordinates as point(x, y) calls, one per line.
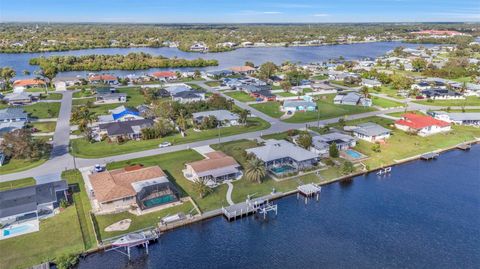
point(239, 11)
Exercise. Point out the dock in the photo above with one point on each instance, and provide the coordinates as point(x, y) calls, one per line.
point(250, 206)
point(122, 244)
point(465, 146)
point(429, 156)
point(309, 190)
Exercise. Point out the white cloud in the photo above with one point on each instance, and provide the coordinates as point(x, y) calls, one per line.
point(321, 15)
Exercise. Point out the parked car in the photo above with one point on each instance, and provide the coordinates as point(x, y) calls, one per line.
point(165, 144)
point(99, 168)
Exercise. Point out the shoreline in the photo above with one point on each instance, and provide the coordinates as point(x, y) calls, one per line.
point(218, 212)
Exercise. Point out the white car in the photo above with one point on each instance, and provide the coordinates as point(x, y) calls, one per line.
point(98, 168)
point(165, 144)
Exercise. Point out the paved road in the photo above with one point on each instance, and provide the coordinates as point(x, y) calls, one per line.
point(61, 159)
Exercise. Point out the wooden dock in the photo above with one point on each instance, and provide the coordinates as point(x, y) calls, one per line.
point(250, 206)
point(309, 190)
point(465, 146)
point(429, 156)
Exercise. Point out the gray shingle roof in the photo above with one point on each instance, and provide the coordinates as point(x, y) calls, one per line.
point(278, 149)
point(12, 113)
point(370, 129)
point(221, 115)
point(125, 127)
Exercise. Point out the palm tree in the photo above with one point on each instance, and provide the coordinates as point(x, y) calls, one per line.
point(255, 170)
point(83, 117)
point(200, 186)
point(365, 91)
point(182, 121)
point(244, 113)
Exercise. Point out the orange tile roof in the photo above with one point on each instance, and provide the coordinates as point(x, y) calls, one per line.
point(102, 77)
point(245, 68)
point(216, 160)
point(416, 121)
point(117, 184)
point(164, 74)
point(28, 82)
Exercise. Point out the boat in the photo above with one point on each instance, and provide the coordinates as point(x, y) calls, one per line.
point(130, 239)
point(384, 171)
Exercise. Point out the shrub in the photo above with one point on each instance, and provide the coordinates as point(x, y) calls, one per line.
point(66, 261)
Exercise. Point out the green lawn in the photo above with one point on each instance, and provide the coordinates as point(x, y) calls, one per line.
point(240, 96)
point(385, 103)
point(213, 83)
point(319, 77)
point(19, 183)
point(172, 164)
point(85, 149)
point(13, 166)
point(138, 222)
point(463, 79)
point(45, 126)
point(85, 93)
point(389, 91)
point(272, 109)
point(43, 110)
point(58, 235)
point(468, 101)
point(285, 94)
point(52, 96)
point(37, 90)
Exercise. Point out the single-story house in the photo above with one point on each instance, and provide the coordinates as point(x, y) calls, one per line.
point(441, 94)
point(20, 98)
point(137, 186)
point(352, 98)
point(371, 132)
point(216, 168)
point(321, 143)
point(10, 126)
point(225, 117)
point(120, 113)
point(305, 104)
point(199, 47)
point(189, 96)
point(131, 129)
point(467, 118)
point(370, 83)
point(110, 98)
point(264, 95)
point(32, 202)
point(22, 84)
point(165, 75)
point(421, 86)
point(13, 114)
point(105, 78)
point(245, 70)
point(422, 125)
point(178, 88)
point(251, 88)
point(219, 73)
point(281, 156)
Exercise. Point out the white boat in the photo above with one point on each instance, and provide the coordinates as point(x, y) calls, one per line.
point(384, 171)
point(130, 239)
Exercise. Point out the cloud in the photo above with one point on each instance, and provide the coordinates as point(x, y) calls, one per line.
point(321, 15)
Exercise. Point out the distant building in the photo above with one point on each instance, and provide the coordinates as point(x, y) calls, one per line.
point(215, 169)
point(105, 79)
point(321, 143)
point(371, 132)
point(188, 96)
point(131, 129)
point(21, 85)
point(467, 118)
point(165, 75)
point(225, 117)
point(300, 105)
point(244, 70)
point(370, 83)
point(110, 98)
point(199, 47)
point(352, 99)
point(422, 125)
point(120, 113)
point(441, 94)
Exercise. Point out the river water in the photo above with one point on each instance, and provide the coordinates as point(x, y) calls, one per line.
point(424, 215)
point(19, 61)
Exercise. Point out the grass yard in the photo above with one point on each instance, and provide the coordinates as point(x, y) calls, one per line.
point(58, 235)
point(82, 93)
point(43, 110)
point(285, 94)
point(240, 96)
point(327, 110)
point(13, 166)
point(385, 103)
point(19, 183)
point(319, 77)
point(172, 164)
point(272, 109)
point(44, 126)
point(138, 222)
point(135, 98)
point(468, 101)
point(52, 96)
point(213, 83)
point(85, 149)
point(389, 91)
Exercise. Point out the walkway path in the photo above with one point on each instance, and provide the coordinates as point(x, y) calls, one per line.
point(229, 193)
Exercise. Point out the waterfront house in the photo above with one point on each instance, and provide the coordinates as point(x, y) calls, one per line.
point(165, 75)
point(120, 113)
point(441, 94)
point(215, 168)
point(188, 96)
point(299, 105)
point(422, 125)
point(321, 143)
point(371, 132)
point(467, 118)
point(32, 202)
point(370, 83)
point(352, 99)
point(22, 84)
point(244, 70)
point(177, 88)
point(281, 156)
point(131, 129)
point(131, 187)
point(199, 47)
point(219, 73)
point(103, 79)
point(224, 117)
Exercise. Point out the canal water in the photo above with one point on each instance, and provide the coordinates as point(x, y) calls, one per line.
point(424, 215)
point(19, 61)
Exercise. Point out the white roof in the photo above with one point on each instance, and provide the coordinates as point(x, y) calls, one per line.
point(278, 149)
point(221, 115)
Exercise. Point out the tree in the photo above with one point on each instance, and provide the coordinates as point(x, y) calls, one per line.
point(286, 86)
point(200, 186)
point(83, 117)
point(48, 71)
point(267, 70)
point(197, 74)
point(347, 168)
point(295, 76)
point(365, 91)
point(248, 63)
point(7, 73)
point(66, 261)
point(26, 72)
point(419, 64)
point(333, 150)
point(244, 113)
point(305, 140)
point(400, 82)
point(376, 147)
point(20, 144)
point(342, 122)
point(182, 120)
point(255, 170)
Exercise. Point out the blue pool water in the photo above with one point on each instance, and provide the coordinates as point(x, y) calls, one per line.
point(159, 200)
point(16, 230)
point(425, 215)
point(282, 169)
point(353, 154)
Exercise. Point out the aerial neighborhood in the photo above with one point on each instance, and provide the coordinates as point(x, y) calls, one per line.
point(155, 149)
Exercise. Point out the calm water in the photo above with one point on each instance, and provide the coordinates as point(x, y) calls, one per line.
point(425, 215)
point(19, 61)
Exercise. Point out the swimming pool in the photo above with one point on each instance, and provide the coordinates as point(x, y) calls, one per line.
point(282, 169)
point(353, 154)
point(159, 200)
point(17, 230)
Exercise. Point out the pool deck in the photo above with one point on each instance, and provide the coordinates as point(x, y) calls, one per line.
point(34, 226)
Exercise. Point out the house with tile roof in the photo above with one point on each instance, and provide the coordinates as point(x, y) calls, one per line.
point(422, 125)
point(104, 78)
point(131, 187)
point(214, 169)
point(165, 75)
point(244, 70)
point(22, 84)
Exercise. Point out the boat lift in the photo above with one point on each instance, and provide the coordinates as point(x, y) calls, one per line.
point(124, 243)
point(309, 190)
